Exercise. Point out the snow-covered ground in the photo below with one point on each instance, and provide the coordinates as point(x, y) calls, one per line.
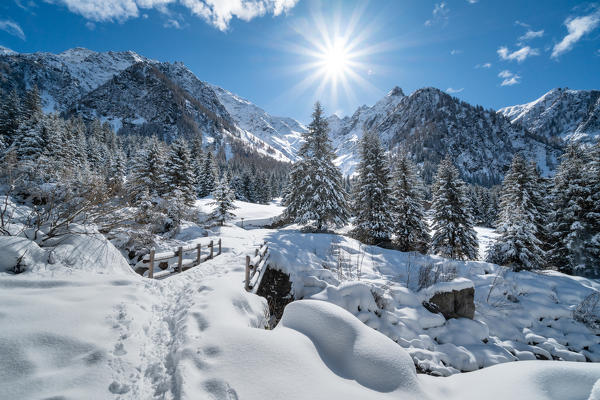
point(84, 327)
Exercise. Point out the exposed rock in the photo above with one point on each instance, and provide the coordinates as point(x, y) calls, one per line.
point(276, 287)
point(453, 304)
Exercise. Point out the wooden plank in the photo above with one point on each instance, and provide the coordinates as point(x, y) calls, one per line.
point(151, 267)
point(247, 284)
point(179, 258)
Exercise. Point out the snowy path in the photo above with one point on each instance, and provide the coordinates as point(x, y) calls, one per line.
point(81, 334)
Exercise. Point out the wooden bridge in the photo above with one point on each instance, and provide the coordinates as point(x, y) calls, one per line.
point(182, 265)
point(256, 267)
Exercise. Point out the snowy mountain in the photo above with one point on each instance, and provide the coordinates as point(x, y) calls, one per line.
point(430, 124)
point(571, 115)
point(282, 133)
point(140, 95)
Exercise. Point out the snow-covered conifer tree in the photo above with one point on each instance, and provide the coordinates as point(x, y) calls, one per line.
point(454, 236)
point(592, 215)
point(571, 198)
point(224, 198)
point(518, 245)
point(373, 224)
point(208, 175)
point(408, 216)
point(178, 173)
point(11, 112)
point(316, 188)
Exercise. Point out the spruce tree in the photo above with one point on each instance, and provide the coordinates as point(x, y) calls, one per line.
point(316, 189)
point(178, 171)
point(11, 113)
point(371, 197)
point(224, 198)
point(570, 201)
point(518, 245)
point(147, 173)
point(454, 236)
point(592, 216)
point(409, 226)
point(208, 175)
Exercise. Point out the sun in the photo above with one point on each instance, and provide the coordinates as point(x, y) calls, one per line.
point(336, 59)
point(335, 55)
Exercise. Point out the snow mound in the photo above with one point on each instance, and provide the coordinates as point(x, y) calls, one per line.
point(90, 252)
point(14, 247)
point(351, 349)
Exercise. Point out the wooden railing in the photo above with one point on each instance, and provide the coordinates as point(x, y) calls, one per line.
point(256, 267)
point(154, 257)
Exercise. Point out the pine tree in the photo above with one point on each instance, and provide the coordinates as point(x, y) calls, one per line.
point(518, 245)
point(373, 223)
point(178, 171)
point(208, 175)
point(224, 201)
point(454, 236)
point(147, 173)
point(316, 185)
point(575, 226)
point(408, 216)
point(11, 113)
point(592, 216)
point(28, 142)
point(570, 201)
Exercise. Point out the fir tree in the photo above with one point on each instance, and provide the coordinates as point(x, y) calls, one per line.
point(147, 173)
point(592, 216)
point(371, 197)
point(178, 171)
point(208, 175)
point(408, 216)
point(316, 185)
point(11, 112)
point(454, 235)
point(518, 245)
point(224, 201)
point(571, 197)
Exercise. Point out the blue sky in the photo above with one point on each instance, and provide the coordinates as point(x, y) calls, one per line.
point(285, 54)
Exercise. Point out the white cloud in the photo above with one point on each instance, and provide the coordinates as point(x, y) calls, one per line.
point(509, 78)
point(484, 65)
point(12, 28)
point(518, 55)
point(217, 12)
point(531, 35)
point(523, 24)
point(451, 90)
point(472, 1)
point(90, 25)
point(172, 23)
point(577, 28)
point(439, 14)
point(455, 52)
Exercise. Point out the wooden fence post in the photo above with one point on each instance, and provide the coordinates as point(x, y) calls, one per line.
point(219, 247)
point(211, 249)
point(255, 252)
point(180, 258)
point(151, 268)
point(198, 246)
point(247, 272)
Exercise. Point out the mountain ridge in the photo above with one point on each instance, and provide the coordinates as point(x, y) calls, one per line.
point(140, 95)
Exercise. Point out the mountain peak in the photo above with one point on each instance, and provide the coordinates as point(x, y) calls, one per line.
point(396, 91)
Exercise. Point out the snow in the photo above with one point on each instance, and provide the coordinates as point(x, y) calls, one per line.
point(83, 328)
